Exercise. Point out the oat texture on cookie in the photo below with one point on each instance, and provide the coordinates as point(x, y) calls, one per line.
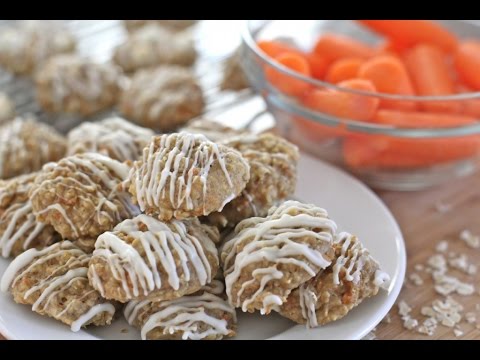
point(273, 177)
point(154, 45)
point(203, 315)
point(270, 256)
point(81, 196)
point(352, 277)
point(212, 130)
point(163, 98)
point(28, 45)
point(145, 257)
point(7, 108)
point(54, 282)
point(19, 229)
point(26, 144)
point(114, 137)
point(186, 175)
point(176, 25)
point(76, 85)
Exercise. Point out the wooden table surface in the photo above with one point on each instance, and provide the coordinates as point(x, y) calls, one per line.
point(423, 227)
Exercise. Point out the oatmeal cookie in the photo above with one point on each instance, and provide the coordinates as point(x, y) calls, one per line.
point(54, 281)
point(7, 108)
point(26, 144)
point(162, 99)
point(213, 130)
point(269, 257)
point(273, 177)
point(234, 77)
point(176, 25)
point(114, 137)
point(71, 84)
point(144, 257)
point(154, 45)
point(186, 175)
point(19, 230)
point(204, 315)
point(26, 46)
point(352, 277)
point(81, 196)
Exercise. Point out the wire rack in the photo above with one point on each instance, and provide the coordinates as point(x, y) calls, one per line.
point(215, 40)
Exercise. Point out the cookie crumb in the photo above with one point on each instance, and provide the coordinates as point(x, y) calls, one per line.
point(471, 317)
point(470, 239)
point(442, 246)
point(415, 279)
point(124, 331)
point(458, 332)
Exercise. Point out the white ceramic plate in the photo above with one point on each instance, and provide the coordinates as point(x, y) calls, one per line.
point(355, 209)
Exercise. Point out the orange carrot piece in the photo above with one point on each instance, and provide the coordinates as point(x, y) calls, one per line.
point(389, 75)
point(318, 65)
point(421, 119)
point(467, 63)
point(343, 69)
point(342, 104)
point(286, 83)
point(334, 47)
point(431, 75)
point(470, 107)
point(412, 32)
point(276, 48)
point(389, 47)
point(387, 152)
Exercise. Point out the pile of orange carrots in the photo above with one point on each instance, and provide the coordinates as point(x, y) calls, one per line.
point(416, 57)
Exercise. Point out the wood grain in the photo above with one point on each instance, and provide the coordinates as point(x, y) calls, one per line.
point(423, 226)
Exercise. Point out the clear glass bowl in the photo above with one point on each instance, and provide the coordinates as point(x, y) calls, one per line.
point(384, 156)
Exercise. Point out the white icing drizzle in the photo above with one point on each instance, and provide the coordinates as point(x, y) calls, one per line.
point(163, 248)
point(30, 228)
point(54, 284)
point(95, 165)
point(185, 314)
point(308, 300)
point(274, 239)
point(113, 136)
point(195, 153)
point(90, 314)
point(352, 263)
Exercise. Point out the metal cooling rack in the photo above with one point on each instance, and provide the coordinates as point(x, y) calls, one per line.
point(215, 40)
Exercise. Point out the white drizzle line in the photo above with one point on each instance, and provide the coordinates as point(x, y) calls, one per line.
point(163, 247)
point(54, 284)
point(308, 300)
point(185, 314)
point(30, 228)
point(90, 314)
point(94, 163)
point(274, 239)
point(193, 152)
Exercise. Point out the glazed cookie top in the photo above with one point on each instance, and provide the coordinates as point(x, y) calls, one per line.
point(81, 191)
point(184, 175)
point(295, 234)
point(145, 254)
point(28, 45)
point(204, 314)
point(37, 277)
point(115, 137)
point(67, 75)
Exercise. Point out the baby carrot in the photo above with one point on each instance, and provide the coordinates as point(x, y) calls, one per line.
point(421, 119)
point(343, 104)
point(389, 75)
point(431, 75)
point(412, 32)
point(470, 107)
point(343, 69)
point(318, 65)
point(286, 83)
point(334, 47)
point(276, 48)
point(387, 152)
point(467, 63)
point(389, 47)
